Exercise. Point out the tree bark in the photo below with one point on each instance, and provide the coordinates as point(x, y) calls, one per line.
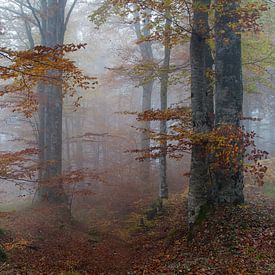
point(228, 96)
point(146, 125)
point(202, 110)
point(163, 188)
point(142, 31)
point(50, 186)
point(68, 144)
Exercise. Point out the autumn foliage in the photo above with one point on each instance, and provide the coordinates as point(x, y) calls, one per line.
point(22, 72)
point(224, 145)
point(113, 226)
point(28, 68)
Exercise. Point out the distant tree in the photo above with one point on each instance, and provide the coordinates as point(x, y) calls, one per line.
point(13, 14)
point(143, 33)
point(156, 29)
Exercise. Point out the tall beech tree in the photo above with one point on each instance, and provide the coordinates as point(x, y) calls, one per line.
point(202, 107)
point(48, 19)
point(23, 70)
point(228, 93)
point(52, 22)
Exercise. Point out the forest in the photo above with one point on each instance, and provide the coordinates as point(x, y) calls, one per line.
point(137, 137)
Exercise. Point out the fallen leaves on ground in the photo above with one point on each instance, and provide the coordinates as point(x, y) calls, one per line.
point(231, 240)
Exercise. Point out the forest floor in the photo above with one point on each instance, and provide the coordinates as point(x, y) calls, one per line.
point(230, 240)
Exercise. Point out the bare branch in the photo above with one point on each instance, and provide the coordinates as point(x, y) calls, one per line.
point(69, 15)
point(34, 13)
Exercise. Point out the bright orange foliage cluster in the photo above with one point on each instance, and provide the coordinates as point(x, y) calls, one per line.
point(246, 16)
point(21, 72)
point(226, 145)
point(25, 69)
point(19, 165)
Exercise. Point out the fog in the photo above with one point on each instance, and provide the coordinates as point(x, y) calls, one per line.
point(101, 137)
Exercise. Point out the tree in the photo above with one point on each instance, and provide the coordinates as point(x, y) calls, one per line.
point(164, 78)
point(50, 18)
point(228, 94)
point(202, 108)
point(47, 19)
point(25, 69)
point(14, 13)
point(218, 143)
point(143, 33)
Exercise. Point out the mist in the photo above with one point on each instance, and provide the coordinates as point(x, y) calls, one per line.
point(112, 159)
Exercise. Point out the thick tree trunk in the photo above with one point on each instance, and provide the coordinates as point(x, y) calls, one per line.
point(50, 187)
point(228, 96)
point(202, 110)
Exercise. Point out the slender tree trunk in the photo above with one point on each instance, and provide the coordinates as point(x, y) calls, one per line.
point(147, 87)
point(202, 110)
point(79, 153)
point(228, 96)
point(28, 31)
point(146, 125)
point(163, 185)
point(163, 188)
point(68, 144)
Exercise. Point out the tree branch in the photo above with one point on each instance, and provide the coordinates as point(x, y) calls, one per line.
point(69, 15)
point(34, 13)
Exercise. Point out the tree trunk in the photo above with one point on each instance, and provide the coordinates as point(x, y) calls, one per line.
point(78, 124)
point(50, 187)
point(228, 96)
point(147, 86)
point(163, 188)
point(68, 144)
point(146, 125)
point(202, 110)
